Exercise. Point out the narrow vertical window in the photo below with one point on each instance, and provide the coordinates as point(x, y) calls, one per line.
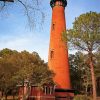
point(53, 26)
point(51, 54)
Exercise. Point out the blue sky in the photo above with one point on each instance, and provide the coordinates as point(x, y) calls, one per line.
point(15, 33)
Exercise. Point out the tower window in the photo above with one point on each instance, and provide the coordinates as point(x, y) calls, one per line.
point(53, 26)
point(51, 54)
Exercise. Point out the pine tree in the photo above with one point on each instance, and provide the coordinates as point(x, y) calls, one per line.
point(85, 36)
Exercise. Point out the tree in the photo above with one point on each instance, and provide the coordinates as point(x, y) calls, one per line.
point(97, 70)
point(76, 72)
point(30, 8)
point(41, 75)
point(15, 67)
point(6, 70)
point(85, 36)
point(80, 72)
point(97, 64)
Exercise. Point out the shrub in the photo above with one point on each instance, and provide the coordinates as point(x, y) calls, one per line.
point(82, 97)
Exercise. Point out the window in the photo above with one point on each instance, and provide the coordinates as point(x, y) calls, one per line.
point(53, 26)
point(48, 90)
point(51, 54)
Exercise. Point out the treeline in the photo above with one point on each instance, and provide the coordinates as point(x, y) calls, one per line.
point(16, 66)
point(81, 75)
point(85, 37)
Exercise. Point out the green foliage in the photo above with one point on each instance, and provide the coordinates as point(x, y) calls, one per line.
point(18, 66)
point(85, 34)
point(76, 72)
point(41, 75)
point(97, 64)
point(82, 97)
point(5, 52)
point(80, 72)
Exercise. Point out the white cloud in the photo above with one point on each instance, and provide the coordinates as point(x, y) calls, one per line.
point(29, 41)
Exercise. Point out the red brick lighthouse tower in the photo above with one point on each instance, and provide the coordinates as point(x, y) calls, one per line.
point(58, 52)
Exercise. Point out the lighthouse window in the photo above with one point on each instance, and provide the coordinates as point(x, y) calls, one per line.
point(53, 26)
point(51, 54)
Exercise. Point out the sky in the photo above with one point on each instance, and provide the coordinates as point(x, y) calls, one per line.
point(15, 33)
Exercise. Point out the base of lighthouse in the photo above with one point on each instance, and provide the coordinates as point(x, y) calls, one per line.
point(47, 92)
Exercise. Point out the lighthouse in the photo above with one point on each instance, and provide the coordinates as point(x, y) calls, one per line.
point(58, 51)
point(57, 62)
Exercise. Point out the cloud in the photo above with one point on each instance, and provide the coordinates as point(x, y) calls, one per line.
point(29, 41)
point(13, 42)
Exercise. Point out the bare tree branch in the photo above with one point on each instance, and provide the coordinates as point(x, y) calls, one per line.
point(1, 8)
point(32, 10)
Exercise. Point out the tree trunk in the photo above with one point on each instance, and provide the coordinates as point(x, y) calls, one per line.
point(93, 78)
point(5, 96)
point(2, 95)
point(13, 97)
point(86, 89)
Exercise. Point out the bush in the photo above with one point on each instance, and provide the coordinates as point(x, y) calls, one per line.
point(82, 97)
